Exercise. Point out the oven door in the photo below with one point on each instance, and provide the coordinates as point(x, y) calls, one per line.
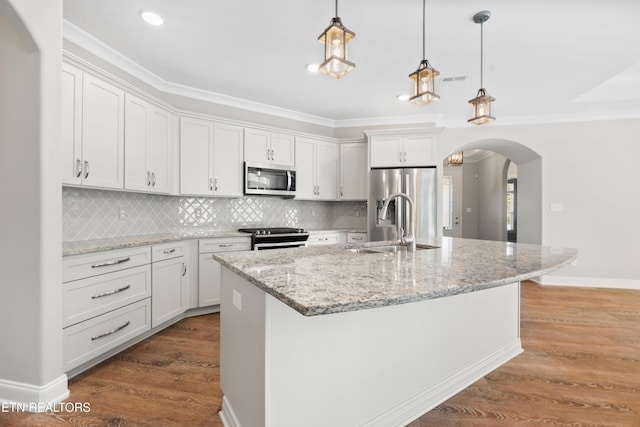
point(281, 245)
point(279, 241)
point(269, 180)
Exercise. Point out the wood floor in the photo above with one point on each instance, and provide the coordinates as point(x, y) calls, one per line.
point(581, 367)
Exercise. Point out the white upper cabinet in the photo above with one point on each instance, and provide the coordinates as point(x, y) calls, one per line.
point(210, 158)
point(353, 171)
point(147, 146)
point(268, 147)
point(196, 157)
point(402, 150)
point(227, 160)
point(92, 131)
point(316, 169)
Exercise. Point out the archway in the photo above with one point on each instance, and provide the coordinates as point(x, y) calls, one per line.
point(529, 206)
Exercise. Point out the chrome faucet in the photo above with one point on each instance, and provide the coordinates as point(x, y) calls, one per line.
point(408, 239)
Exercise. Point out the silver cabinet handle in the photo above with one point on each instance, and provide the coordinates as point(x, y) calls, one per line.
point(184, 269)
point(148, 179)
point(225, 245)
point(108, 263)
point(215, 184)
point(78, 168)
point(268, 154)
point(111, 332)
point(169, 251)
point(153, 179)
point(115, 291)
point(356, 238)
point(273, 155)
point(86, 169)
point(210, 183)
point(341, 191)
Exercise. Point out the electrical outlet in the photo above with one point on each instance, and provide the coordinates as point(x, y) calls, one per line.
point(313, 213)
point(122, 214)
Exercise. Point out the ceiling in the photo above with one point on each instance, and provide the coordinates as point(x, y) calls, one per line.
point(544, 60)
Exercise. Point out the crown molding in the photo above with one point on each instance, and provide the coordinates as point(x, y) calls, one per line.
point(96, 47)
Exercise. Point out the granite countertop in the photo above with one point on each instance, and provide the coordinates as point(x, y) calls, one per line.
point(330, 279)
point(98, 245)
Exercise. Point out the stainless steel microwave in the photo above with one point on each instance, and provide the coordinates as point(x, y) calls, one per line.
point(270, 180)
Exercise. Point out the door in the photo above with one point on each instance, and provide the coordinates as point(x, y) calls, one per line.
point(71, 123)
point(282, 149)
point(227, 160)
point(451, 202)
point(196, 157)
point(326, 170)
point(383, 182)
point(167, 296)
point(305, 168)
point(158, 149)
point(353, 171)
point(102, 134)
point(257, 146)
point(512, 209)
point(421, 185)
point(209, 279)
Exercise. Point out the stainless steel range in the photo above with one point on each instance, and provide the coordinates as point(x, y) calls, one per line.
point(276, 238)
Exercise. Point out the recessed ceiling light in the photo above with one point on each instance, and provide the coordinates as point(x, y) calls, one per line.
point(403, 97)
point(312, 68)
point(151, 18)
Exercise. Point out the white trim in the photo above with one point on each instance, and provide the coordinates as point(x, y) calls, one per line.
point(428, 399)
point(13, 392)
point(228, 417)
point(589, 282)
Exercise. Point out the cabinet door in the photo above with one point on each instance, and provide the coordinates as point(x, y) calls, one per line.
point(282, 149)
point(386, 151)
point(137, 174)
point(102, 134)
point(418, 150)
point(71, 143)
point(305, 168)
point(167, 299)
point(256, 145)
point(158, 149)
point(227, 160)
point(209, 277)
point(196, 157)
point(326, 170)
point(353, 171)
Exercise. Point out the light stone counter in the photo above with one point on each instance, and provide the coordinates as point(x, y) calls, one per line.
point(330, 279)
point(98, 245)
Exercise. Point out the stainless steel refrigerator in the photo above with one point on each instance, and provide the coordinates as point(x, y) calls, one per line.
point(421, 185)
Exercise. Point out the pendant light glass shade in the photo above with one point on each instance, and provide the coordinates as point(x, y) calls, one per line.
point(423, 77)
point(455, 159)
point(335, 39)
point(481, 108)
point(482, 102)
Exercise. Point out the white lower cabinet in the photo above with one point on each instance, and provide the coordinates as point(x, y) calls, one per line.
point(209, 270)
point(169, 286)
point(87, 340)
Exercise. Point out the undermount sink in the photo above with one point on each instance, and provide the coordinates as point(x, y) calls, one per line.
point(388, 249)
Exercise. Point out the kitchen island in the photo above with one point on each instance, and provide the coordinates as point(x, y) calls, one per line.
point(333, 336)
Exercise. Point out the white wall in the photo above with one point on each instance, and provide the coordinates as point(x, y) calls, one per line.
point(590, 169)
point(31, 303)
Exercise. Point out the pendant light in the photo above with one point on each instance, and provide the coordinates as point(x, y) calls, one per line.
point(424, 92)
point(482, 102)
point(455, 159)
point(335, 39)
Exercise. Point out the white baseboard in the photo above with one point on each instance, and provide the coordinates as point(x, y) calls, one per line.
point(227, 415)
point(589, 282)
point(32, 397)
point(428, 399)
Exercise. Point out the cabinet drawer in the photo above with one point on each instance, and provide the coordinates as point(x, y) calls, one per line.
point(167, 251)
point(82, 266)
point(90, 339)
point(87, 298)
point(356, 237)
point(325, 239)
point(226, 244)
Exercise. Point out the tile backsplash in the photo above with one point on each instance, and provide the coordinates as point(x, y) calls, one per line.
point(96, 214)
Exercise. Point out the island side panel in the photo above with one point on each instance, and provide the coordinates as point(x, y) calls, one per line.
point(242, 352)
point(384, 366)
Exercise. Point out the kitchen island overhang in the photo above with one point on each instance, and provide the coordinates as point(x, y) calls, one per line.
point(393, 344)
